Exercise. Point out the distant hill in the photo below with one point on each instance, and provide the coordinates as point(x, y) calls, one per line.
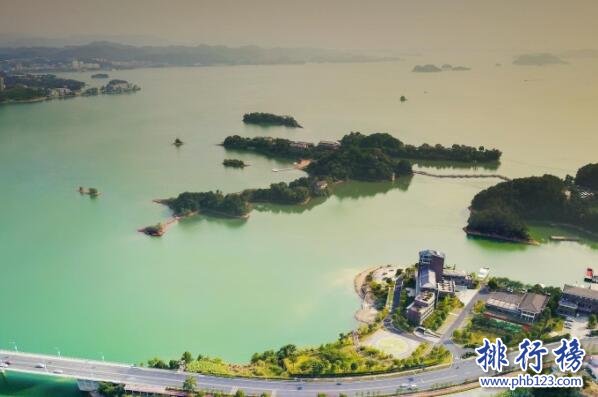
point(539, 59)
point(182, 55)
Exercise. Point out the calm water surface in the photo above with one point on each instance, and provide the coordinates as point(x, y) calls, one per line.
point(76, 276)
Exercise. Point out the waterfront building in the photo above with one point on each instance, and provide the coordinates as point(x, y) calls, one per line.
point(461, 279)
point(421, 307)
point(329, 144)
point(578, 300)
point(430, 270)
point(301, 145)
point(526, 307)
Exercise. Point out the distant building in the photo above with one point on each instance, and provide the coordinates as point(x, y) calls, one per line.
point(526, 307)
point(301, 145)
point(321, 185)
point(329, 145)
point(421, 307)
point(577, 300)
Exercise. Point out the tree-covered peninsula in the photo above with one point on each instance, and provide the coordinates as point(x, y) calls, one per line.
point(504, 210)
point(238, 205)
point(386, 143)
point(217, 203)
point(269, 119)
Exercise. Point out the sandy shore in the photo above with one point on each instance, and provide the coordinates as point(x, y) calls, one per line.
point(367, 313)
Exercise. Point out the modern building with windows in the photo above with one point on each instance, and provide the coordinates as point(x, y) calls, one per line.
point(578, 300)
point(421, 307)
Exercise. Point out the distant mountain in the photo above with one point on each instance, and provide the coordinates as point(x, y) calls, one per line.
point(182, 55)
point(539, 59)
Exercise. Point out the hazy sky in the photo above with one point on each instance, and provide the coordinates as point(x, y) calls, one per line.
point(348, 24)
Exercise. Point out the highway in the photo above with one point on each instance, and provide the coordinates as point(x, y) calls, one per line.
point(81, 369)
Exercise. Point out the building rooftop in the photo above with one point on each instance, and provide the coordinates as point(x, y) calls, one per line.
point(427, 278)
point(431, 252)
point(454, 273)
point(533, 303)
point(581, 292)
point(505, 300)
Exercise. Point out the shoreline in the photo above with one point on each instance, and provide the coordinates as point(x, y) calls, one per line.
point(366, 314)
point(498, 237)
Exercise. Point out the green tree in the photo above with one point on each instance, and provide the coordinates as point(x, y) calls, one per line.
point(190, 384)
point(187, 357)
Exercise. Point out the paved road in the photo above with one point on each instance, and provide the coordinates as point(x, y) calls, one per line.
point(127, 374)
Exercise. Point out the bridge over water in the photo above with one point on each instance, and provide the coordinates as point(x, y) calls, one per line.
point(89, 373)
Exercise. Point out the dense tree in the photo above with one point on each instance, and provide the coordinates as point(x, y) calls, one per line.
point(270, 119)
point(504, 208)
point(587, 176)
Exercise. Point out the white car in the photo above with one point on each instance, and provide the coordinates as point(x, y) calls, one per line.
point(57, 371)
point(413, 386)
point(3, 365)
point(40, 365)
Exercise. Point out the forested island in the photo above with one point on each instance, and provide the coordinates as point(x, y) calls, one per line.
point(375, 157)
point(269, 119)
point(99, 76)
point(234, 163)
point(503, 211)
point(385, 143)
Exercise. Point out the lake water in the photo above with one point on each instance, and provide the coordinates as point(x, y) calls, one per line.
point(76, 276)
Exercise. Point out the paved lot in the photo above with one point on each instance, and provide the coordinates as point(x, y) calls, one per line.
point(394, 344)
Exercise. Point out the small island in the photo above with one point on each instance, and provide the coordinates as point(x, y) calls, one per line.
point(156, 230)
point(92, 191)
point(234, 163)
point(269, 119)
point(429, 68)
point(115, 87)
point(99, 76)
point(503, 211)
point(403, 98)
point(177, 142)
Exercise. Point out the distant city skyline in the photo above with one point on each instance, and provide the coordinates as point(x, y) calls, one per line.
point(540, 25)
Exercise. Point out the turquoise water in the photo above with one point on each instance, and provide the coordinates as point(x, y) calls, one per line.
point(76, 276)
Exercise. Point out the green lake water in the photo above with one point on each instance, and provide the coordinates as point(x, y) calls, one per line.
point(76, 276)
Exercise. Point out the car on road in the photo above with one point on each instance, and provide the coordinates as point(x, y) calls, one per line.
point(7, 362)
point(40, 365)
point(3, 365)
point(404, 386)
point(413, 386)
point(58, 371)
point(299, 387)
point(338, 383)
